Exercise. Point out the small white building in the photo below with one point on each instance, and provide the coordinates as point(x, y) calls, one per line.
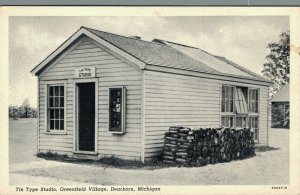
point(281, 107)
point(105, 94)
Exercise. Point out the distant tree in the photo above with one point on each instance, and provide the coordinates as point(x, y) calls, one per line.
point(277, 67)
point(23, 111)
point(25, 108)
point(33, 113)
point(13, 112)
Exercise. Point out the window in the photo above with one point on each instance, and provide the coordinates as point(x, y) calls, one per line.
point(227, 121)
point(240, 100)
point(241, 122)
point(56, 108)
point(286, 110)
point(227, 98)
point(117, 110)
point(240, 108)
point(253, 123)
point(253, 100)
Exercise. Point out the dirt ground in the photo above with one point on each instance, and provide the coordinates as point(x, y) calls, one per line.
point(269, 167)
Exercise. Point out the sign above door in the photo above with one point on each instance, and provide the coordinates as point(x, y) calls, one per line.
point(85, 72)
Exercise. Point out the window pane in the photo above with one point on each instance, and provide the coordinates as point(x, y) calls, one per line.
point(231, 93)
point(61, 124)
point(56, 102)
point(243, 122)
point(231, 106)
point(51, 124)
point(256, 134)
point(223, 105)
point(50, 102)
point(51, 91)
point(223, 92)
point(56, 90)
point(230, 121)
point(61, 102)
point(56, 115)
point(238, 122)
point(253, 122)
point(61, 113)
point(56, 123)
point(227, 105)
point(226, 91)
point(256, 95)
point(62, 90)
point(51, 113)
point(256, 107)
point(225, 121)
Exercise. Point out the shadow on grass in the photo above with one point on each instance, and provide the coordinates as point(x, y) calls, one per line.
point(115, 162)
point(265, 148)
point(110, 161)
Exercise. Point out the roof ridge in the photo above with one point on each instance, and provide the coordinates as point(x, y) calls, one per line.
point(176, 43)
point(124, 36)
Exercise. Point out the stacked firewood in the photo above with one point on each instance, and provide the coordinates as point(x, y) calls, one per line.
point(170, 145)
point(199, 147)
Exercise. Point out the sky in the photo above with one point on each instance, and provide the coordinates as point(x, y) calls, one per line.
point(242, 39)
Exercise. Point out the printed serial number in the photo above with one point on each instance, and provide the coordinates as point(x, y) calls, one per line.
point(279, 187)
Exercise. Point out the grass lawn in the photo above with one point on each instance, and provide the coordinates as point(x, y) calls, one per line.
point(269, 166)
point(22, 140)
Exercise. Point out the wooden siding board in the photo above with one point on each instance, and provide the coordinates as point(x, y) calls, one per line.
point(170, 98)
point(263, 118)
point(111, 72)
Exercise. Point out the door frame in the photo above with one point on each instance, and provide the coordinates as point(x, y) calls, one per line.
point(75, 115)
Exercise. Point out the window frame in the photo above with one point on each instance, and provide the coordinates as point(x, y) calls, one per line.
point(47, 110)
point(242, 116)
point(233, 120)
point(258, 102)
point(123, 106)
point(248, 115)
point(249, 121)
point(233, 99)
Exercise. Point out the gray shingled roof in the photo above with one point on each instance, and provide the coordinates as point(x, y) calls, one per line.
point(154, 53)
point(208, 59)
point(282, 95)
point(174, 55)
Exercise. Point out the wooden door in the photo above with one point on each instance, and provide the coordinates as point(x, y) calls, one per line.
point(86, 116)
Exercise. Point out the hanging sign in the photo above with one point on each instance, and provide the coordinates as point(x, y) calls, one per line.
point(85, 72)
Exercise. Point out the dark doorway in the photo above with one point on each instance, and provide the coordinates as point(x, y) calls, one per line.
point(86, 116)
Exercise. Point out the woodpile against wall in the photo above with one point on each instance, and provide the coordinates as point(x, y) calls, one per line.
point(199, 147)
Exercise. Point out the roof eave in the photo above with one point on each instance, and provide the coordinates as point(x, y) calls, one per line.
point(265, 81)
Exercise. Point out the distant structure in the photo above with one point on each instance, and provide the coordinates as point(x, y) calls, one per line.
point(281, 108)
